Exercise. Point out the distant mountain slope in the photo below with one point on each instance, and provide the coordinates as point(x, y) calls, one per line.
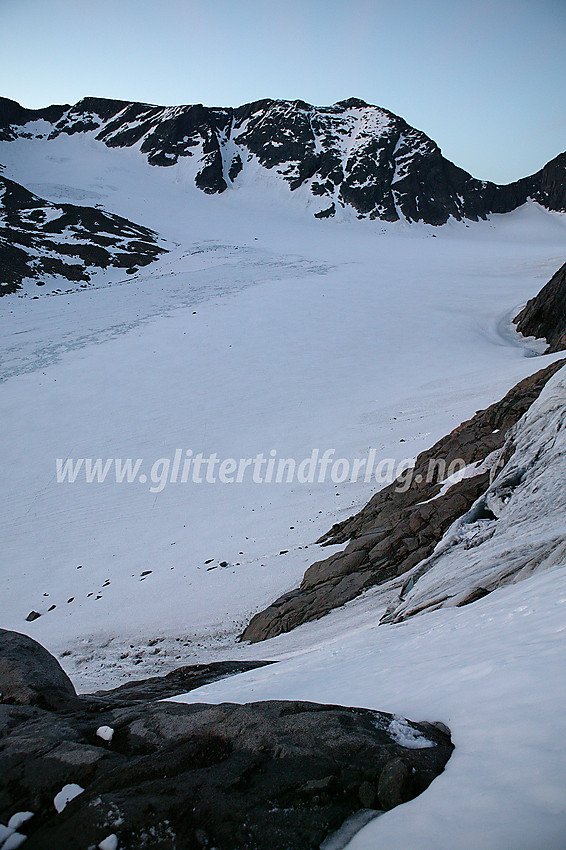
point(349, 155)
point(544, 316)
point(38, 238)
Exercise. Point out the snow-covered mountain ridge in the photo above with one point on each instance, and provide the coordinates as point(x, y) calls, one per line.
point(350, 155)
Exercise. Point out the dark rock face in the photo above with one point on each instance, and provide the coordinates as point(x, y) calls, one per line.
point(545, 315)
point(398, 529)
point(13, 116)
point(350, 154)
point(29, 675)
point(270, 775)
point(547, 186)
point(35, 240)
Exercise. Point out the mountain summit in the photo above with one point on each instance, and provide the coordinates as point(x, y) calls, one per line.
point(350, 155)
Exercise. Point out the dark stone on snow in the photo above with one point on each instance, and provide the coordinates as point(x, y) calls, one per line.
point(327, 213)
point(235, 167)
point(394, 785)
point(473, 596)
point(179, 681)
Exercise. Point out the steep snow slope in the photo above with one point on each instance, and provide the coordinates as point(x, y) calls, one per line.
point(518, 527)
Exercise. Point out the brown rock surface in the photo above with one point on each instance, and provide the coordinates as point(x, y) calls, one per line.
point(396, 530)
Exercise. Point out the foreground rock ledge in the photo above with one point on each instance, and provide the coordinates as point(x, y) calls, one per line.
point(271, 775)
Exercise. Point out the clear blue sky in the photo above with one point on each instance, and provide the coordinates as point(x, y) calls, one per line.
point(485, 78)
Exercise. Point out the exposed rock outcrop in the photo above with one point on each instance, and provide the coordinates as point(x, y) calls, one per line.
point(348, 155)
point(30, 675)
point(400, 526)
point(517, 526)
point(270, 775)
point(39, 238)
point(544, 316)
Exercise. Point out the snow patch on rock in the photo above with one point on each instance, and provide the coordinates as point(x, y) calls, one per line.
point(65, 795)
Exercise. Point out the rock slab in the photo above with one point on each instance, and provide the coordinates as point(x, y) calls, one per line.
point(273, 775)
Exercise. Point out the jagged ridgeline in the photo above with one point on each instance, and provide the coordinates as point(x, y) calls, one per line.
point(349, 155)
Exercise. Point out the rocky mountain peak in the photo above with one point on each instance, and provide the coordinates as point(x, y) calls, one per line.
point(350, 157)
